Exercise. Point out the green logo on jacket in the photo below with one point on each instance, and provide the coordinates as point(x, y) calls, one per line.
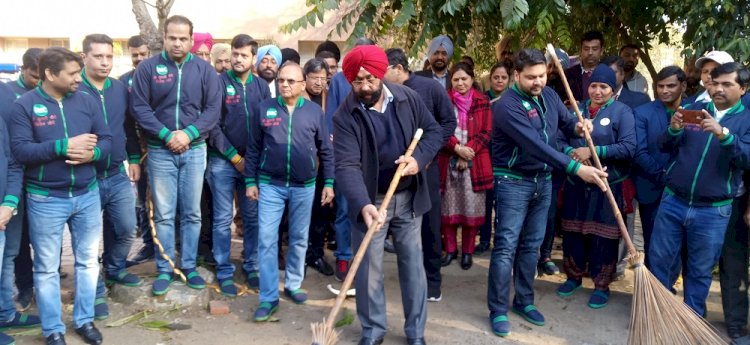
point(526, 105)
point(271, 113)
point(161, 69)
point(231, 91)
point(40, 110)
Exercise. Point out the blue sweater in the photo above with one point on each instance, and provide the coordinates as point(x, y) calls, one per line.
point(40, 130)
point(113, 99)
point(11, 170)
point(168, 97)
point(437, 101)
point(524, 135)
point(651, 120)
point(240, 104)
point(338, 90)
point(285, 148)
point(705, 171)
point(614, 137)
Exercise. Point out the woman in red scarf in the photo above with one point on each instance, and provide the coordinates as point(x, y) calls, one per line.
point(465, 169)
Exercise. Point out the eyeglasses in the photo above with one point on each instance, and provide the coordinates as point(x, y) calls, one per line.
point(370, 80)
point(203, 54)
point(291, 82)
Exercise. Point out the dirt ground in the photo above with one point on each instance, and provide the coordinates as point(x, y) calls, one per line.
point(460, 318)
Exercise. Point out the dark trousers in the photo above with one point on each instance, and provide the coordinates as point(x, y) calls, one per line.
point(733, 268)
point(485, 231)
point(206, 241)
point(648, 216)
point(320, 223)
point(142, 209)
point(24, 264)
point(553, 219)
point(597, 253)
point(432, 246)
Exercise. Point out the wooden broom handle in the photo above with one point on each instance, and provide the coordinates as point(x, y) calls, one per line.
point(370, 233)
point(590, 142)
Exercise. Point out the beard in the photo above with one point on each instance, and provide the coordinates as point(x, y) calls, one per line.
point(268, 74)
point(370, 98)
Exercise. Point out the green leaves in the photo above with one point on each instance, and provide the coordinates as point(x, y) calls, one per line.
point(451, 7)
point(513, 12)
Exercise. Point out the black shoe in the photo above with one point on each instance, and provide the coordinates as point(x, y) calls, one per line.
point(388, 246)
point(370, 341)
point(322, 266)
point(735, 333)
point(416, 341)
point(466, 261)
point(448, 258)
point(90, 334)
point(741, 341)
point(481, 248)
point(24, 298)
point(56, 339)
point(145, 254)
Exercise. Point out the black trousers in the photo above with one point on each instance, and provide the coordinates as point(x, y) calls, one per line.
point(432, 244)
point(733, 264)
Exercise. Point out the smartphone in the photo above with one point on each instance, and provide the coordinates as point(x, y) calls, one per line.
point(691, 116)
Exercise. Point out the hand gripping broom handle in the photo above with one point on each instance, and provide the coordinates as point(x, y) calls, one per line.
point(590, 142)
point(370, 233)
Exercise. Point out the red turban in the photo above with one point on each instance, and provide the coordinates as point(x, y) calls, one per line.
point(200, 38)
point(370, 58)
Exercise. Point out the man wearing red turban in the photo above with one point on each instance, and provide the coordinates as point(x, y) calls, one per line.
point(372, 129)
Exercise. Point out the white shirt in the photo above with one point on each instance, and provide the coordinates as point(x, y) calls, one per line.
point(386, 100)
point(272, 87)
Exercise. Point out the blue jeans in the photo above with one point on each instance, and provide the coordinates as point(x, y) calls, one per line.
point(225, 181)
point(271, 205)
point(521, 209)
point(11, 246)
point(176, 181)
point(119, 218)
point(47, 218)
point(703, 229)
point(343, 228)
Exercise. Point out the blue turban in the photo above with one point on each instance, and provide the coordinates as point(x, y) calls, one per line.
point(270, 49)
point(441, 41)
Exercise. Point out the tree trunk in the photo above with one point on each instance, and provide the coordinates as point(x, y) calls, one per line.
point(152, 33)
point(646, 58)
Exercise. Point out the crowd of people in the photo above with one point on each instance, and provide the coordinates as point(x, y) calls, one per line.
point(208, 135)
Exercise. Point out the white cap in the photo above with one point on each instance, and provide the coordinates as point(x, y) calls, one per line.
point(718, 56)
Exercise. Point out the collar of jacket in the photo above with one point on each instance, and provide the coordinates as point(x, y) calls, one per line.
point(107, 82)
point(168, 59)
point(233, 76)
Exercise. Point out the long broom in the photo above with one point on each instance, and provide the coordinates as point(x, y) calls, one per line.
point(657, 316)
point(324, 333)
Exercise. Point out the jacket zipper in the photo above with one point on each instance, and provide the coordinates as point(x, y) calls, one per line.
point(289, 150)
point(106, 121)
point(65, 129)
point(177, 106)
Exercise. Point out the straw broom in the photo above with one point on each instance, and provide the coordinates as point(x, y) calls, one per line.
point(324, 333)
point(657, 316)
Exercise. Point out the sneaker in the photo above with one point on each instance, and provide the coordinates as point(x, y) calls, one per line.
point(568, 288)
point(101, 309)
point(194, 280)
point(298, 296)
point(24, 299)
point(434, 294)
point(265, 310)
point(500, 324)
point(161, 284)
point(598, 299)
point(549, 268)
point(253, 280)
point(342, 269)
point(125, 278)
point(530, 314)
point(6, 339)
point(21, 320)
point(227, 287)
point(322, 266)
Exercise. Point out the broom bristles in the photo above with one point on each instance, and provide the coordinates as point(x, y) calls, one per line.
point(323, 335)
point(658, 317)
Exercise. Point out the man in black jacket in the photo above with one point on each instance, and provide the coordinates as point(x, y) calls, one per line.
point(372, 129)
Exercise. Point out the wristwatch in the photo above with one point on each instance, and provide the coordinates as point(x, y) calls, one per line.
point(724, 132)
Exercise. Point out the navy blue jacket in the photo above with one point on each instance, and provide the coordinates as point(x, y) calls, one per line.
point(633, 99)
point(357, 166)
point(7, 97)
point(167, 97)
point(524, 135)
point(437, 101)
point(614, 137)
point(40, 128)
point(11, 170)
point(127, 79)
point(113, 99)
point(19, 86)
point(338, 90)
point(651, 120)
point(240, 104)
point(705, 171)
point(284, 149)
